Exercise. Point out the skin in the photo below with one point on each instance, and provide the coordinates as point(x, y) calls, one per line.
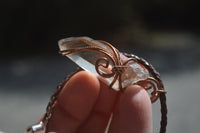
point(85, 105)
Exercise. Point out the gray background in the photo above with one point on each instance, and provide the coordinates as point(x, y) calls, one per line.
point(28, 83)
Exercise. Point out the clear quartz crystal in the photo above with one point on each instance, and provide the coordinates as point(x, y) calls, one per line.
point(87, 60)
point(134, 73)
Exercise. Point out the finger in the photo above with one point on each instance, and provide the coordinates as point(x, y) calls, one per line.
point(133, 113)
point(99, 117)
point(74, 103)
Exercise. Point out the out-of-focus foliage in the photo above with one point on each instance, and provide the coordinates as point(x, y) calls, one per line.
point(35, 26)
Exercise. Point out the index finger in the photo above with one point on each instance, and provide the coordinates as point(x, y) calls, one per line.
point(74, 103)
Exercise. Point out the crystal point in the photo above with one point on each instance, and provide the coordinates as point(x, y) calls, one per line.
point(87, 60)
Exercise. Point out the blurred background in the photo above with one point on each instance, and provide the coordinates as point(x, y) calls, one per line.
point(166, 33)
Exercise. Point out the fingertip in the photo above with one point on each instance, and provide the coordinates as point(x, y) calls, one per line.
point(135, 99)
point(136, 94)
point(87, 78)
point(84, 80)
point(79, 94)
point(135, 108)
point(132, 90)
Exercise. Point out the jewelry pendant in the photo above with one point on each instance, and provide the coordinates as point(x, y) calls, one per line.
point(113, 68)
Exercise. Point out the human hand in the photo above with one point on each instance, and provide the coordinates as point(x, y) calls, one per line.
point(85, 105)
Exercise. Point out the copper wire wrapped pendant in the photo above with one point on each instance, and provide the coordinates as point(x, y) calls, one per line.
point(112, 67)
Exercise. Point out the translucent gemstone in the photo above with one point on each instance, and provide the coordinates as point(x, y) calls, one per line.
point(133, 71)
